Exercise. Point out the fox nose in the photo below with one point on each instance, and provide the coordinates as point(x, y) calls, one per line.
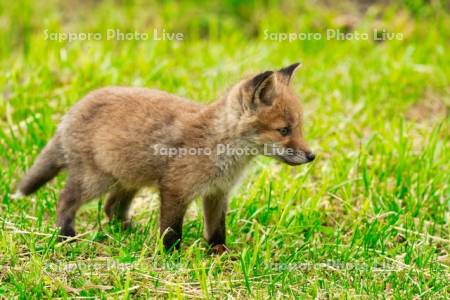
point(310, 156)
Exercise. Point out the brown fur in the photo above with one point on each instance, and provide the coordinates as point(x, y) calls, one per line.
point(106, 142)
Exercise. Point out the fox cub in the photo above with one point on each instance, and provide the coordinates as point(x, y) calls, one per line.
point(119, 139)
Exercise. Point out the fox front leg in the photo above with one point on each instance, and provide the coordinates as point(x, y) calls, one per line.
point(215, 209)
point(172, 214)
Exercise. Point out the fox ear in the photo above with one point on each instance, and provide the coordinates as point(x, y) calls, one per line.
point(287, 72)
point(262, 89)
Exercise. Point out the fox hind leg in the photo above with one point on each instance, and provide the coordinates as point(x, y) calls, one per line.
point(79, 189)
point(69, 202)
point(118, 204)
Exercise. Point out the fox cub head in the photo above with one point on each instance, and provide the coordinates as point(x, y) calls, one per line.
point(271, 116)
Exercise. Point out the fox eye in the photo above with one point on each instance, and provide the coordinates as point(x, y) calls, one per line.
point(285, 131)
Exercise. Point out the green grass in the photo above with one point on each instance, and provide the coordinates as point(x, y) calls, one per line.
point(369, 218)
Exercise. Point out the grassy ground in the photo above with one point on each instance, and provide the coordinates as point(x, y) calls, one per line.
point(369, 218)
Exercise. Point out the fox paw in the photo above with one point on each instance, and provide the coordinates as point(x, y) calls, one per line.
point(127, 224)
point(66, 233)
point(219, 249)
